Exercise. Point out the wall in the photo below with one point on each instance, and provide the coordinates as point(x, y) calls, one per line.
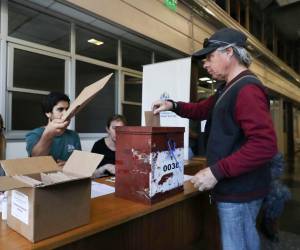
point(152, 19)
point(180, 30)
point(17, 149)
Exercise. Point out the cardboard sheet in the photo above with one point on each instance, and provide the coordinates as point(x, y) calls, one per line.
point(85, 96)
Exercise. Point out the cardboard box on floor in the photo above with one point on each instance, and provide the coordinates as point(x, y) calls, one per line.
point(46, 200)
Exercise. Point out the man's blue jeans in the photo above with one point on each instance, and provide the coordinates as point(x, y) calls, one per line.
point(238, 225)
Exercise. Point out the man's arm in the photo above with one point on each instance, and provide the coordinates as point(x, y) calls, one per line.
point(253, 116)
point(54, 128)
point(195, 111)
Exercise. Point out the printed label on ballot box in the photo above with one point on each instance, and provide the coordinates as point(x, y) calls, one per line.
point(167, 171)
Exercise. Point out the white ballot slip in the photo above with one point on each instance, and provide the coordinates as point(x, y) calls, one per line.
point(99, 189)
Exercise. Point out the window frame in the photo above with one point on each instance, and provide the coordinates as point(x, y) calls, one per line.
point(6, 68)
point(122, 90)
point(10, 89)
point(126, 73)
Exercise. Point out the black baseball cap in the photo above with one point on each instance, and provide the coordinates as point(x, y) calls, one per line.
point(221, 38)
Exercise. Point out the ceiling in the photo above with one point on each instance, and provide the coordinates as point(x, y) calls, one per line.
point(285, 14)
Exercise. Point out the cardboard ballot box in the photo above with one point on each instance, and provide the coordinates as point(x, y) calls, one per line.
point(46, 200)
point(149, 162)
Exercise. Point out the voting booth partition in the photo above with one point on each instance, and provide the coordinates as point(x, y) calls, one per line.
point(168, 80)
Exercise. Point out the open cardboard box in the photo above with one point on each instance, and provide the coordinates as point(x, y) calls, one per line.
point(46, 200)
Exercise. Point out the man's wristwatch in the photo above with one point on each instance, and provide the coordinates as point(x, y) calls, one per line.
point(174, 104)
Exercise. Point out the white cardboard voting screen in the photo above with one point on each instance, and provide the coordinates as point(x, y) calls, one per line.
point(168, 80)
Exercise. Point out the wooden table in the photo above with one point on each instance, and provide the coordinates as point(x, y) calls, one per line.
point(178, 222)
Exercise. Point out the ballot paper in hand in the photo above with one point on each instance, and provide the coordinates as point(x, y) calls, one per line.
point(151, 119)
point(85, 96)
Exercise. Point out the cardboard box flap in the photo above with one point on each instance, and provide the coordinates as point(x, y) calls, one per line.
point(85, 96)
point(9, 183)
point(28, 180)
point(30, 165)
point(82, 163)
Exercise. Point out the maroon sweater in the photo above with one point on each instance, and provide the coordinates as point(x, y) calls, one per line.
point(253, 116)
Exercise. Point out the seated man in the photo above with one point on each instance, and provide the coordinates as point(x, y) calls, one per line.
point(107, 146)
point(54, 139)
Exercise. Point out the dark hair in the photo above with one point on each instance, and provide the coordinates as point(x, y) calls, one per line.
point(115, 118)
point(52, 99)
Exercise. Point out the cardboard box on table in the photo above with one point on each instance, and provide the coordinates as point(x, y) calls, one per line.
point(149, 162)
point(41, 205)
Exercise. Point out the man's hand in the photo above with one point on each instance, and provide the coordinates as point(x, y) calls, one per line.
point(204, 180)
point(160, 105)
point(111, 168)
point(60, 163)
point(56, 127)
point(99, 172)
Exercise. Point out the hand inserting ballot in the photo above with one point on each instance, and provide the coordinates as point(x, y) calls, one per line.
point(161, 105)
point(204, 180)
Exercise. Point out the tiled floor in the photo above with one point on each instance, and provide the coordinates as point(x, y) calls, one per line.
point(289, 223)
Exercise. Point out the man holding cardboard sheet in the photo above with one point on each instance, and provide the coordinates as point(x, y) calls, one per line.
point(54, 139)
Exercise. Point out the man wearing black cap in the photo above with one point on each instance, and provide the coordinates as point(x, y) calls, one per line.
point(241, 139)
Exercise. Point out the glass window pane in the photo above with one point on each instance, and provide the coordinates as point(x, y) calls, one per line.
point(133, 89)
point(134, 58)
point(92, 119)
point(27, 111)
point(221, 3)
point(34, 26)
point(132, 114)
point(105, 51)
point(36, 71)
point(162, 57)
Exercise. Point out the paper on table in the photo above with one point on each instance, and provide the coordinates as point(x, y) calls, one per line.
point(187, 177)
point(85, 96)
point(99, 189)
